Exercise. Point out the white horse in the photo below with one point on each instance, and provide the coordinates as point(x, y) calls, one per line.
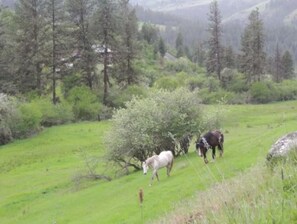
point(158, 161)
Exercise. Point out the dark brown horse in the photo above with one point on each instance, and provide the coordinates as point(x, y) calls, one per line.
point(211, 139)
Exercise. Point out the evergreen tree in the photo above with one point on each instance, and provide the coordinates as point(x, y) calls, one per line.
point(106, 33)
point(8, 51)
point(149, 33)
point(277, 72)
point(229, 58)
point(162, 47)
point(252, 47)
point(128, 46)
point(179, 45)
point(214, 57)
point(4, 74)
point(58, 39)
point(287, 65)
point(80, 12)
point(31, 40)
point(199, 55)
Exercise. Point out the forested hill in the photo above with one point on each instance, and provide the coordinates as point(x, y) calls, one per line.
point(279, 18)
point(280, 11)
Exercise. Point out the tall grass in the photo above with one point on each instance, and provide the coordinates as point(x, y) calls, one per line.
point(258, 195)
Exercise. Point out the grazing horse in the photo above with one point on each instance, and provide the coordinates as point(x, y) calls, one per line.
point(156, 162)
point(211, 139)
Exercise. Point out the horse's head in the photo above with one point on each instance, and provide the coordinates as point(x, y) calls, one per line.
point(200, 147)
point(145, 167)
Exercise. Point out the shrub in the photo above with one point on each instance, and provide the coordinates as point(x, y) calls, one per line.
point(119, 97)
point(29, 121)
point(153, 124)
point(287, 90)
point(55, 114)
point(234, 81)
point(181, 65)
point(8, 114)
point(85, 104)
point(218, 96)
point(195, 82)
point(167, 83)
point(263, 92)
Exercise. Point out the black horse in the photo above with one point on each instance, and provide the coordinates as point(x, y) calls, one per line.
point(211, 139)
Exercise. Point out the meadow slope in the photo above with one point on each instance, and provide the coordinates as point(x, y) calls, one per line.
point(38, 184)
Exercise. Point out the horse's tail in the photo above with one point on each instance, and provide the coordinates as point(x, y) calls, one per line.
point(222, 138)
point(221, 141)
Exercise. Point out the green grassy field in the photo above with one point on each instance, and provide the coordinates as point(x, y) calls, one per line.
point(37, 183)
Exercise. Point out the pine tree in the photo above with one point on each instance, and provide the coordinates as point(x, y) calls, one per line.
point(128, 46)
point(80, 12)
point(149, 33)
point(199, 55)
point(58, 40)
point(162, 47)
point(229, 58)
point(179, 45)
point(278, 70)
point(287, 65)
point(252, 47)
point(30, 44)
point(106, 33)
point(214, 57)
point(3, 67)
point(8, 75)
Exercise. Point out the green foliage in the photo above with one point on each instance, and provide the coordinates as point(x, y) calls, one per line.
point(119, 97)
point(8, 114)
point(263, 92)
point(217, 96)
point(233, 81)
point(153, 124)
point(181, 65)
point(162, 47)
point(54, 114)
point(29, 120)
point(85, 104)
point(181, 79)
point(149, 33)
point(194, 82)
point(252, 46)
point(287, 90)
point(167, 82)
point(287, 65)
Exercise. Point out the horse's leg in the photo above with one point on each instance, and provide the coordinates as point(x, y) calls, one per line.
point(169, 167)
point(153, 176)
point(204, 156)
point(220, 146)
point(157, 176)
point(213, 153)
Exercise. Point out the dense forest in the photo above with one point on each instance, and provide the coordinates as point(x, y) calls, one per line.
point(79, 59)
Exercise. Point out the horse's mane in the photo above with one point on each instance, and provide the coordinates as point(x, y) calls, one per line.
point(150, 160)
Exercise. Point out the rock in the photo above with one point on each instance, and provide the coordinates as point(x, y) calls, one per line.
point(283, 146)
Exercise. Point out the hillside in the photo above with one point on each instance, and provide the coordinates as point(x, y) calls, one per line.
point(39, 181)
point(232, 10)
